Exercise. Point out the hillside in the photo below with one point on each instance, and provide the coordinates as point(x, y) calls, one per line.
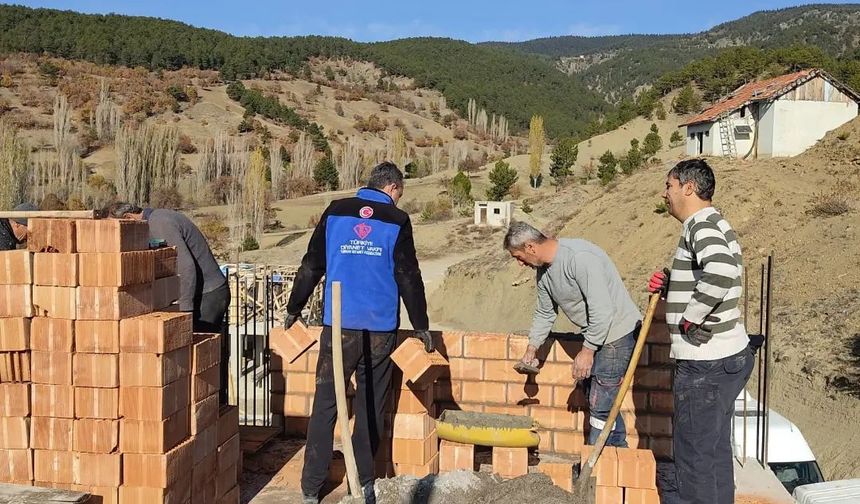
point(503, 82)
point(616, 66)
point(776, 205)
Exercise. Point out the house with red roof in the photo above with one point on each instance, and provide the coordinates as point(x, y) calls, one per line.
point(777, 117)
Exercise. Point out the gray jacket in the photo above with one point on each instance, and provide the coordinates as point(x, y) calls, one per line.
point(583, 281)
point(198, 271)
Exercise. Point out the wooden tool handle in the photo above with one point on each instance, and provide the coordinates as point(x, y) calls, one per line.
point(340, 394)
point(622, 391)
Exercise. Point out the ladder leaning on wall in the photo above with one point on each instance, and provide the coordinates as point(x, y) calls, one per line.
point(727, 135)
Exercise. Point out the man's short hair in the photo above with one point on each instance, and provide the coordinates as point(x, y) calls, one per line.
point(383, 174)
point(520, 234)
point(119, 209)
point(698, 172)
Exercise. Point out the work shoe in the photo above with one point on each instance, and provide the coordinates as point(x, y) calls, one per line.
point(310, 499)
point(369, 494)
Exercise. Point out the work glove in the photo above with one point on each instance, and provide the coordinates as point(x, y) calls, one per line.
point(291, 319)
point(696, 334)
point(426, 338)
point(659, 283)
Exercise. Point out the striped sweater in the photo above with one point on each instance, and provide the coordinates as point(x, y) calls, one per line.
point(705, 288)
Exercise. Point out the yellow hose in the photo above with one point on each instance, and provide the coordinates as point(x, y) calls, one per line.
point(487, 436)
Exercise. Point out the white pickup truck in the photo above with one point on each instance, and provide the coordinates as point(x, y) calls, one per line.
point(788, 453)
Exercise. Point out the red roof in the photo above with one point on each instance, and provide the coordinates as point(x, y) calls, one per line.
point(754, 91)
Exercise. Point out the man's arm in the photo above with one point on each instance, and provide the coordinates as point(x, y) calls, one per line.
point(719, 271)
point(546, 311)
point(407, 274)
point(186, 267)
point(311, 270)
point(587, 272)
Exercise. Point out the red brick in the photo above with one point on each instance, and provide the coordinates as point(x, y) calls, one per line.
point(660, 354)
point(661, 402)
point(52, 368)
point(553, 373)
point(414, 451)
point(659, 333)
point(48, 433)
point(529, 394)
point(569, 398)
point(408, 401)
point(554, 418)
point(644, 357)
point(92, 435)
point(112, 235)
point(290, 343)
point(52, 335)
point(448, 391)
point(484, 392)
point(565, 351)
point(606, 469)
point(60, 270)
point(98, 469)
point(561, 473)
point(640, 400)
point(450, 343)
point(419, 367)
point(545, 443)
point(15, 433)
point(500, 371)
point(485, 346)
point(143, 436)
point(653, 379)
point(165, 262)
point(510, 462)
point(97, 336)
point(654, 425)
point(55, 302)
point(16, 465)
point(569, 442)
point(117, 269)
point(503, 409)
point(454, 456)
point(157, 332)
point(608, 495)
point(296, 426)
point(301, 383)
point(206, 352)
point(517, 345)
point(630, 473)
point(291, 405)
point(419, 471)
point(53, 466)
point(96, 403)
point(413, 425)
point(51, 235)
point(14, 334)
point(640, 496)
point(52, 401)
point(15, 399)
point(113, 303)
point(662, 447)
point(96, 370)
point(16, 267)
point(16, 300)
point(466, 369)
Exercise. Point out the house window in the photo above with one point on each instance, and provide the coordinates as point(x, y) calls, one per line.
point(743, 111)
point(707, 133)
point(692, 135)
point(497, 211)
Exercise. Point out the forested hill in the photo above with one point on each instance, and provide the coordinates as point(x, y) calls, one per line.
point(502, 81)
point(617, 65)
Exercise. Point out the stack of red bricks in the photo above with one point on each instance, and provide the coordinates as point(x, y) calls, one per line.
point(625, 475)
point(112, 388)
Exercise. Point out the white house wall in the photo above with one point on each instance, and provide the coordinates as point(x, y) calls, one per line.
point(797, 125)
point(710, 139)
point(765, 129)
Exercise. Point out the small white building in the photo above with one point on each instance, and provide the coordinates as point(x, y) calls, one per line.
point(493, 213)
point(777, 117)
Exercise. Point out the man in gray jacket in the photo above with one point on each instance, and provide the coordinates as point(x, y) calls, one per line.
point(203, 288)
point(578, 277)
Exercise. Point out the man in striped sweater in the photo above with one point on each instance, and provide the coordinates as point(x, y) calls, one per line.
point(709, 341)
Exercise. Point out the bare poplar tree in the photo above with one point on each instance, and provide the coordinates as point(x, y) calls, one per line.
point(436, 158)
point(276, 168)
point(14, 167)
point(472, 110)
point(457, 152)
point(481, 121)
point(303, 157)
point(350, 169)
point(147, 159)
point(236, 199)
point(62, 120)
point(255, 197)
point(399, 149)
point(107, 116)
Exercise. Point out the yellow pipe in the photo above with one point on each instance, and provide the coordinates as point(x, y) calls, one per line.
point(487, 436)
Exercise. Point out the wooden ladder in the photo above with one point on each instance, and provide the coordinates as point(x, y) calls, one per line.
point(727, 136)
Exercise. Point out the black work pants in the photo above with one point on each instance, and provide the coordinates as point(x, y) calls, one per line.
point(368, 354)
point(705, 393)
point(209, 317)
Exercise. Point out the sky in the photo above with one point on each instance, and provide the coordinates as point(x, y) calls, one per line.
point(472, 20)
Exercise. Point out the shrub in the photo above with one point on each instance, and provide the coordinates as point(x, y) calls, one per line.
point(246, 125)
point(165, 197)
point(214, 229)
point(843, 135)
point(411, 206)
point(435, 211)
point(177, 93)
point(829, 204)
point(460, 133)
point(652, 143)
point(661, 207)
point(373, 124)
point(676, 138)
point(526, 208)
point(469, 164)
point(186, 146)
point(51, 202)
point(6, 81)
point(606, 170)
point(250, 243)
point(338, 109)
point(661, 111)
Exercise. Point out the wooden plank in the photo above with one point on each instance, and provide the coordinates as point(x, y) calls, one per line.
point(252, 438)
point(19, 494)
point(51, 214)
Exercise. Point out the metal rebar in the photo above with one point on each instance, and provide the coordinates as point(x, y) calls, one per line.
point(767, 356)
point(254, 348)
point(241, 348)
point(759, 455)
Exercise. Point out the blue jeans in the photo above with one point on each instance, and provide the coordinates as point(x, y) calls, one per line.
point(607, 373)
point(705, 393)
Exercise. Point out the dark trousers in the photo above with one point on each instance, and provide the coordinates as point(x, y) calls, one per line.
point(607, 373)
point(209, 317)
point(705, 393)
point(368, 354)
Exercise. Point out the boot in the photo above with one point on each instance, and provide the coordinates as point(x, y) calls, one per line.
point(310, 499)
point(369, 494)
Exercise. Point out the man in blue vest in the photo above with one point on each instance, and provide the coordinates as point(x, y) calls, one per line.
point(364, 242)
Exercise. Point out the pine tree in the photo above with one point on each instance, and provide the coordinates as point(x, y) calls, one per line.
point(653, 143)
point(503, 177)
point(676, 138)
point(460, 190)
point(688, 101)
point(325, 174)
point(606, 170)
point(633, 160)
point(563, 157)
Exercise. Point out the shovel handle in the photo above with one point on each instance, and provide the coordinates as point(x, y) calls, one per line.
point(622, 391)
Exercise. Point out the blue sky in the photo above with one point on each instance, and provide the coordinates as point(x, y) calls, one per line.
point(472, 20)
